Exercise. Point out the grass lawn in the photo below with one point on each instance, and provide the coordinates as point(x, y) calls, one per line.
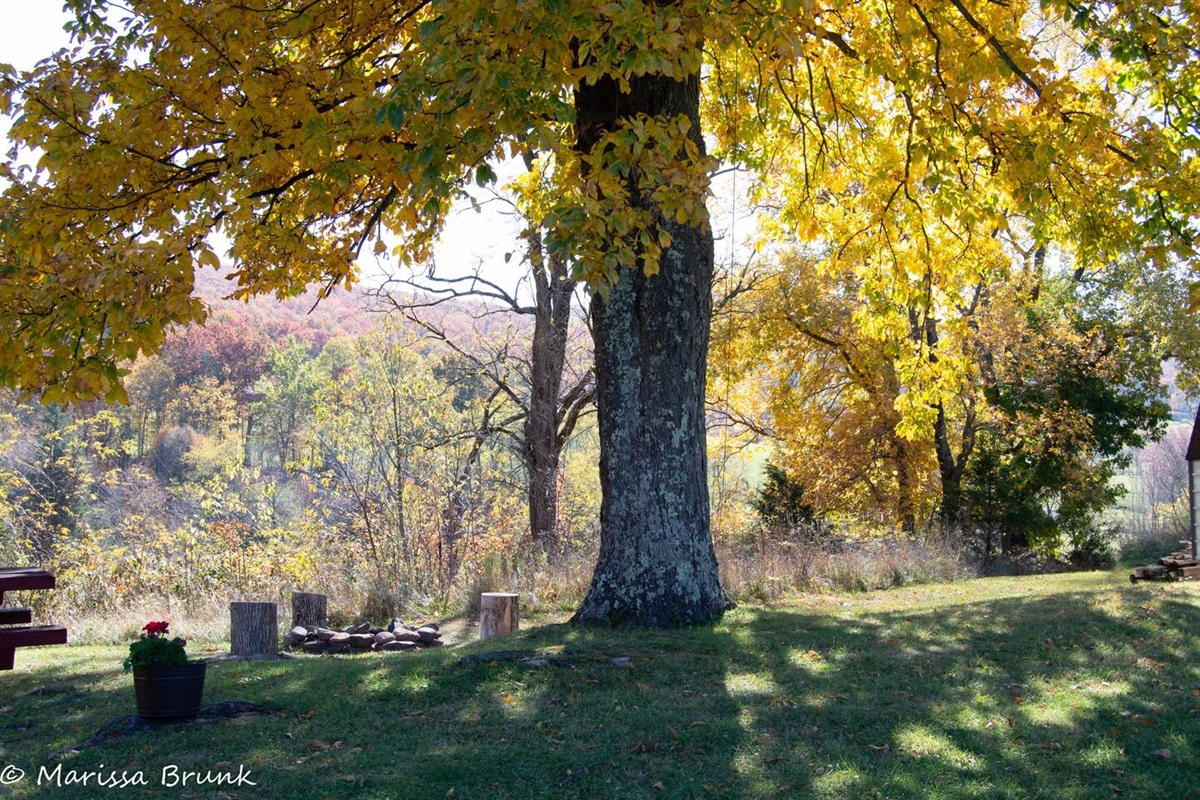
point(1055, 686)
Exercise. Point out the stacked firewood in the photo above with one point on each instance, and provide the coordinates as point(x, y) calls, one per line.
point(1178, 566)
point(364, 637)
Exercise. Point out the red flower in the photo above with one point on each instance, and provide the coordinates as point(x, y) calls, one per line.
point(155, 628)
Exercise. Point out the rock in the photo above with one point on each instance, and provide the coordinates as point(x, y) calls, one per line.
point(427, 634)
point(362, 641)
point(405, 635)
point(383, 637)
point(338, 647)
point(395, 646)
point(339, 639)
point(324, 634)
point(1164, 754)
point(433, 625)
point(295, 636)
point(316, 646)
point(374, 630)
point(363, 628)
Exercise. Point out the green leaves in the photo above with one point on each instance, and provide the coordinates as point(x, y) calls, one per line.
point(484, 175)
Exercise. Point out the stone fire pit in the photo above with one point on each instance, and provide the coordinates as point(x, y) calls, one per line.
point(396, 637)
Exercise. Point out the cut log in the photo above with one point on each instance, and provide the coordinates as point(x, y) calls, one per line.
point(497, 614)
point(253, 629)
point(308, 610)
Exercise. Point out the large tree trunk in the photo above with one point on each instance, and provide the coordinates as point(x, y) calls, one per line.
point(657, 565)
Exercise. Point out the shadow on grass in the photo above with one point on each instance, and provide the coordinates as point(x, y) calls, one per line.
point(1061, 697)
point(1066, 696)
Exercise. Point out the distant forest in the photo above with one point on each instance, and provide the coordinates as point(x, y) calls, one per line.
point(378, 454)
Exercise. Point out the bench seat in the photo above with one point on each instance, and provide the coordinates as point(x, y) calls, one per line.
point(28, 636)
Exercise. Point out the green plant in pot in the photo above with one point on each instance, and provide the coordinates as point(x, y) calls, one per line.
point(165, 683)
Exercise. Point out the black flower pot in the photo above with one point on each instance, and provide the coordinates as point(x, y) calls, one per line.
point(169, 692)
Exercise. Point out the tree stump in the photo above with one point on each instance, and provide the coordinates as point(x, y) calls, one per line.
point(497, 614)
point(308, 610)
point(253, 629)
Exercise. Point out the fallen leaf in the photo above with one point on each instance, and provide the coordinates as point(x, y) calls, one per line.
point(1163, 754)
point(309, 715)
point(1116, 789)
point(317, 744)
point(450, 792)
point(658, 785)
point(878, 748)
point(473, 719)
point(508, 698)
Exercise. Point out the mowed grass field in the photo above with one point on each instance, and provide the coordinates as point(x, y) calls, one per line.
point(1064, 686)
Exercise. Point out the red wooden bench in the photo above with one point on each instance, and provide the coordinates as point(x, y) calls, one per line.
point(14, 579)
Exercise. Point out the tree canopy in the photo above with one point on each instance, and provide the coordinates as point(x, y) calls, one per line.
point(300, 130)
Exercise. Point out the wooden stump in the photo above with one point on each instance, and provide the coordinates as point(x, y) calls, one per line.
point(253, 629)
point(308, 610)
point(497, 614)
